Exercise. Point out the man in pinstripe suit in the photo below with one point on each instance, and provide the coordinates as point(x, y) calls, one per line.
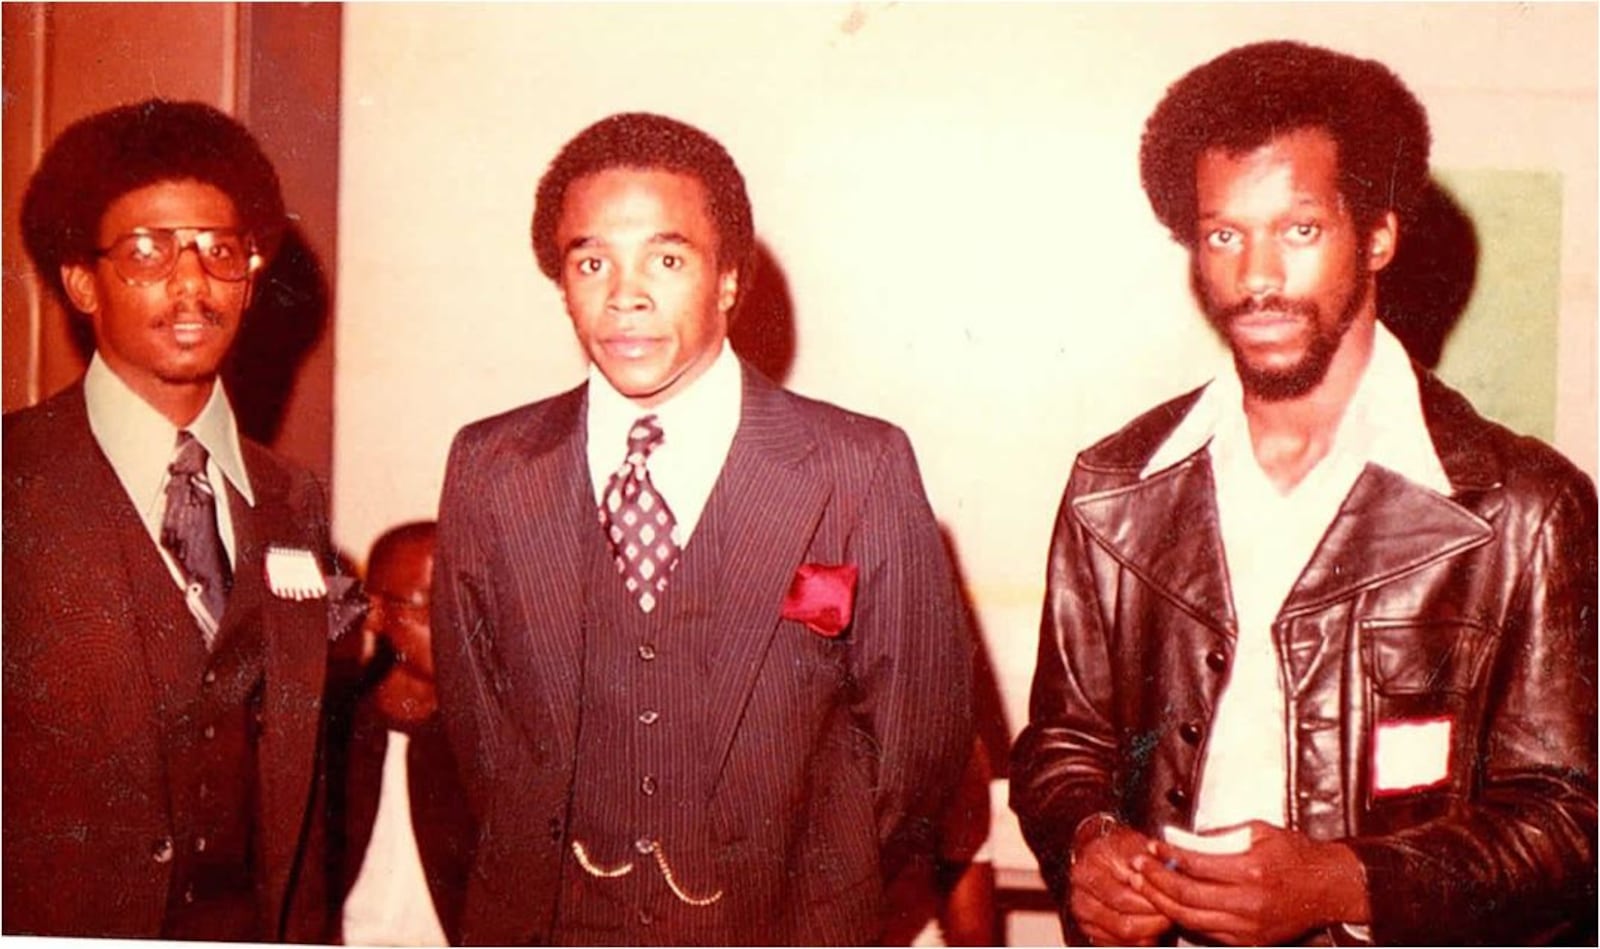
point(698, 642)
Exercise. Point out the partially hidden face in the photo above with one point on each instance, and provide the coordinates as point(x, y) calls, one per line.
point(1279, 265)
point(174, 331)
point(398, 588)
point(641, 278)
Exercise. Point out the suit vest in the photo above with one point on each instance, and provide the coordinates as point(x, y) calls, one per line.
point(639, 792)
point(210, 705)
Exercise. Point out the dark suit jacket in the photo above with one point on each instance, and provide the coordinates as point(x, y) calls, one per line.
point(439, 819)
point(88, 601)
point(826, 760)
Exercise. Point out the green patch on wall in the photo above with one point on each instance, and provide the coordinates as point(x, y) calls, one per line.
point(1502, 352)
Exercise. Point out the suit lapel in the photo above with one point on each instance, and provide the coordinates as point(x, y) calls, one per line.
point(547, 516)
point(143, 607)
point(294, 643)
point(1164, 529)
point(772, 502)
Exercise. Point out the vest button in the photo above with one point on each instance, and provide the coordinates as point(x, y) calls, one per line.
point(646, 917)
point(555, 828)
point(209, 732)
point(1217, 660)
point(1178, 798)
point(161, 850)
point(209, 677)
point(648, 786)
point(647, 652)
point(1190, 732)
point(649, 716)
point(200, 844)
point(644, 845)
point(188, 893)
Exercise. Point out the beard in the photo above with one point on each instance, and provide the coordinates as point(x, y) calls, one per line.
point(1305, 374)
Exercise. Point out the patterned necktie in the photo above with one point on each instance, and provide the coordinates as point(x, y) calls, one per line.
point(637, 520)
point(189, 533)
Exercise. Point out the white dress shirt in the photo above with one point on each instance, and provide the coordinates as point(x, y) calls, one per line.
point(140, 443)
point(697, 426)
point(1269, 537)
point(390, 903)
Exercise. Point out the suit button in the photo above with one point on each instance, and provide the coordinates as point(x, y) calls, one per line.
point(1217, 660)
point(161, 850)
point(188, 893)
point(647, 786)
point(1190, 732)
point(647, 652)
point(1178, 798)
point(646, 917)
point(649, 716)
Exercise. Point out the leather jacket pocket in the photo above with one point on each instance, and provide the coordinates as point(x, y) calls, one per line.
point(1421, 678)
point(1421, 661)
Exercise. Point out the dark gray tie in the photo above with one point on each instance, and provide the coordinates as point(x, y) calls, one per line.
point(189, 533)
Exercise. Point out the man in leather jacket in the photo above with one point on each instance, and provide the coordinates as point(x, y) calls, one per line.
point(1317, 658)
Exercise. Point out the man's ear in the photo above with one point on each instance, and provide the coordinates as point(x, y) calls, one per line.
point(727, 289)
point(81, 287)
point(1382, 241)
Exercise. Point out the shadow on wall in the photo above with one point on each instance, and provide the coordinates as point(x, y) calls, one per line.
point(762, 330)
point(1425, 289)
point(288, 316)
point(988, 708)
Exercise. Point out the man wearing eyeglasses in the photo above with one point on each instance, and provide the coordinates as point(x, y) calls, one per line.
point(165, 614)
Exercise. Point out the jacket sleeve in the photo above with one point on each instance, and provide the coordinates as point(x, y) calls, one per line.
point(1517, 861)
point(911, 656)
point(1063, 763)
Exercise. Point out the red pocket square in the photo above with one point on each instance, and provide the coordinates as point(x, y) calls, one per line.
point(821, 596)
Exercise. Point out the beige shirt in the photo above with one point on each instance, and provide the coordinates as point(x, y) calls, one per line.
point(1269, 537)
point(140, 442)
point(697, 427)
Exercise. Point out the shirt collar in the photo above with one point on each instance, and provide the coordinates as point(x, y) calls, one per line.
point(139, 441)
point(1383, 424)
point(710, 403)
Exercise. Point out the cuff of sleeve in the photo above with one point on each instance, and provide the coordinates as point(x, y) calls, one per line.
point(1099, 824)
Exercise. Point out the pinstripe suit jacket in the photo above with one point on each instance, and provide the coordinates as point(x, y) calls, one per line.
point(88, 605)
point(826, 759)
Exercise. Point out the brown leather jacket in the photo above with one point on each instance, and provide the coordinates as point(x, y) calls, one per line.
point(1478, 608)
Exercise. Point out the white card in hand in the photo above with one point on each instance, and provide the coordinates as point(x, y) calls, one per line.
point(1236, 840)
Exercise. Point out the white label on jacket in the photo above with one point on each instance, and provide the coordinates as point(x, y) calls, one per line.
point(1410, 755)
point(293, 574)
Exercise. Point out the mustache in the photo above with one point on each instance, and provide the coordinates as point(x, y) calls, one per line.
point(205, 311)
point(1271, 304)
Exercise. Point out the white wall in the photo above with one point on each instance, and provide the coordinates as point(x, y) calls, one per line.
point(952, 193)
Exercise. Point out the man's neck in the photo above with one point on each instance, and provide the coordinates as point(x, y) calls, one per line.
point(178, 402)
point(1290, 436)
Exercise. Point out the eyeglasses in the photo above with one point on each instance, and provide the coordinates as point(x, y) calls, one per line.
point(150, 254)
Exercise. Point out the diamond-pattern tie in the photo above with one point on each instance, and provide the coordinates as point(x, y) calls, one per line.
point(638, 521)
point(189, 533)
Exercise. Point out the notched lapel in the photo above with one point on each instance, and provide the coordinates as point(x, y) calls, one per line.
point(773, 501)
point(294, 642)
point(1387, 527)
point(1164, 529)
